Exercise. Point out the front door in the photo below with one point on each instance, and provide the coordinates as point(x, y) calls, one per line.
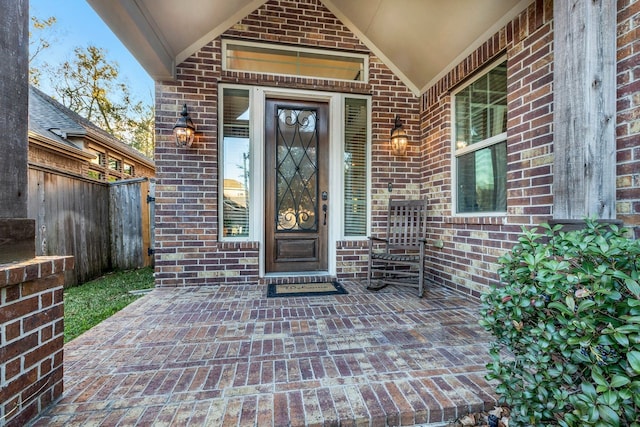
point(296, 199)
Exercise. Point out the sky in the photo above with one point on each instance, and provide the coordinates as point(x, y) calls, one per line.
point(79, 26)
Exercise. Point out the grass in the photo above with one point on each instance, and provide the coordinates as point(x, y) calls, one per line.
point(90, 303)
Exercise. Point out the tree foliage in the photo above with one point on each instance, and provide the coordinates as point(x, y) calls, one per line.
point(39, 40)
point(143, 134)
point(90, 85)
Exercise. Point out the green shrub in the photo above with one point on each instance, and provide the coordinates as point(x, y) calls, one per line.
point(567, 324)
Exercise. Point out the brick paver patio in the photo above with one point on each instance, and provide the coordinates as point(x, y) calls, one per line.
point(228, 356)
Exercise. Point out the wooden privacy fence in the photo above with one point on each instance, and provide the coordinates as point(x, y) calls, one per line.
point(105, 226)
point(131, 223)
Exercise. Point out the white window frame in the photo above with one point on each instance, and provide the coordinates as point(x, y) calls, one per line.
point(276, 47)
point(221, 174)
point(458, 152)
point(368, 167)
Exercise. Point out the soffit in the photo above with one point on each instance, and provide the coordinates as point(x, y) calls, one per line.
point(418, 39)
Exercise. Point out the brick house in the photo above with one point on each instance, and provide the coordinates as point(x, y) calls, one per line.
point(493, 139)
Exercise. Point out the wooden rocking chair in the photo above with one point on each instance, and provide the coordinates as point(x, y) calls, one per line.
point(401, 260)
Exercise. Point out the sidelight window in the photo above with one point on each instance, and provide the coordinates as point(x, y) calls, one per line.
point(356, 129)
point(235, 162)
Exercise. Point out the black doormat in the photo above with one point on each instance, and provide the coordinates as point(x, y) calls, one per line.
point(305, 289)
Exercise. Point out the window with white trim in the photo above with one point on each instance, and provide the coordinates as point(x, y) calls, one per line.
point(267, 58)
point(356, 130)
point(480, 143)
point(235, 162)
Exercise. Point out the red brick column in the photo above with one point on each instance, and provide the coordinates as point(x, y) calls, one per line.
point(31, 336)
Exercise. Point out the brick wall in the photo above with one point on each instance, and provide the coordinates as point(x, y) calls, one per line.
point(31, 336)
point(628, 120)
point(187, 246)
point(187, 232)
point(353, 259)
point(467, 261)
point(471, 246)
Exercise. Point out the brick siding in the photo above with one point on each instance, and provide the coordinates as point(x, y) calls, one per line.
point(187, 246)
point(187, 235)
point(32, 335)
point(467, 261)
point(471, 245)
point(628, 120)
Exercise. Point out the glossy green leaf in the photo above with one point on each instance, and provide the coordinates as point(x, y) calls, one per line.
point(622, 339)
point(589, 390)
point(608, 415)
point(633, 287)
point(633, 357)
point(571, 303)
point(619, 381)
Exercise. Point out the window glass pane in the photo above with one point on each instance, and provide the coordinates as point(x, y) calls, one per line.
point(277, 60)
point(99, 159)
point(297, 170)
point(114, 164)
point(481, 108)
point(355, 167)
point(482, 180)
point(95, 175)
point(235, 163)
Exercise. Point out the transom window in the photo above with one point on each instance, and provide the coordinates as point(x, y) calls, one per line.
point(480, 143)
point(291, 61)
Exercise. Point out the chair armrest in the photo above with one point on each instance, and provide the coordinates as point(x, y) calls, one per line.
point(378, 239)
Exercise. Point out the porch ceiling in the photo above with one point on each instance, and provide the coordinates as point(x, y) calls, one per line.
point(418, 39)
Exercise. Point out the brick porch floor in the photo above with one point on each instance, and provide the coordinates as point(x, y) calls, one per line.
point(228, 356)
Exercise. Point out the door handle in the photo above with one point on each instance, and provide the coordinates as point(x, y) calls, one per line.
point(324, 210)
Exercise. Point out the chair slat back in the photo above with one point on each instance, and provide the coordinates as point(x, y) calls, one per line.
point(407, 223)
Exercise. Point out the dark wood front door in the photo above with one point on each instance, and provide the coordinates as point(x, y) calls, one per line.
point(296, 199)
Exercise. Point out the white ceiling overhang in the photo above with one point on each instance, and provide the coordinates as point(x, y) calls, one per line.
point(419, 40)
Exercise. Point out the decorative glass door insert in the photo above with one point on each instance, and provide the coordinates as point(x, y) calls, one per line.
point(297, 170)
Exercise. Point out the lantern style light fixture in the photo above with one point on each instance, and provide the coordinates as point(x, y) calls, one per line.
point(184, 130)
point(399, 139)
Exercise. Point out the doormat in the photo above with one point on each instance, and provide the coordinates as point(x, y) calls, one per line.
point(305, 289)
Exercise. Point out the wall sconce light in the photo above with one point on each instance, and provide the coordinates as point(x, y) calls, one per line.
point(184, 130)
point(399, 139)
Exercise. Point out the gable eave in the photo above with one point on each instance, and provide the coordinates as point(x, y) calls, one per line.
point(218, 30)
point(133, 25)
